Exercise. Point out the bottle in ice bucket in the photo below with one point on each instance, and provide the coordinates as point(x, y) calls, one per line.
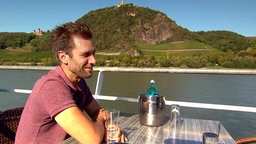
point(152, 90)
point(152, 107)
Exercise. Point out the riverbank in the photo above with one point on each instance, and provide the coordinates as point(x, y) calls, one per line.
point(160, 70)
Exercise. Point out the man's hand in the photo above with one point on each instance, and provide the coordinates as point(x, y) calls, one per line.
point(120, 137)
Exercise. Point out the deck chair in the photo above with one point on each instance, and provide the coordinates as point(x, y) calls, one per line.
point(9, 121)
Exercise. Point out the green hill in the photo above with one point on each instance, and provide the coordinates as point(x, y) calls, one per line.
point(120, 28)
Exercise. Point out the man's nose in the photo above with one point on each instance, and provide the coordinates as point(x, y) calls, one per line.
point(92, 60)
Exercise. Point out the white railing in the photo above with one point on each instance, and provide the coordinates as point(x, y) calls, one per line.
point(161, 70)
point(98, 88)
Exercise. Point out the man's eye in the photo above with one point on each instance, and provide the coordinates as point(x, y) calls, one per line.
point(87, 54)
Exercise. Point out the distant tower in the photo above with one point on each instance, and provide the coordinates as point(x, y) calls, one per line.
point(38, 32)
point(121, 3)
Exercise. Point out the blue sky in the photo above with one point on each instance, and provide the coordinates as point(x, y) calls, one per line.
point(196, 15)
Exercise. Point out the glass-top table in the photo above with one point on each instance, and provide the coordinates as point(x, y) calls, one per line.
point(189, 131)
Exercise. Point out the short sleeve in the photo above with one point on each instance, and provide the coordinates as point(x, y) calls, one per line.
point(55, 97)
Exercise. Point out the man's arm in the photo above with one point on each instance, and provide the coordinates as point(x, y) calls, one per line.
point(80, 127)
point(93, 109)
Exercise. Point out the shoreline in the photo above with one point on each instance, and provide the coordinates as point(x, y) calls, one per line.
point(154, 70)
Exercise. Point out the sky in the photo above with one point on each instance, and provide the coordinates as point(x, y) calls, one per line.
point(238, 16)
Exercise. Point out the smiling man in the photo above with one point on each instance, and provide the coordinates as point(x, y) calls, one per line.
point(54, 109)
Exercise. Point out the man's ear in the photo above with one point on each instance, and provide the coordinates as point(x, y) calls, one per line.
point(63, 57)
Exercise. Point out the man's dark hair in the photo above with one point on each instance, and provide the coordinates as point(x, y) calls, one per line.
point(62, 37)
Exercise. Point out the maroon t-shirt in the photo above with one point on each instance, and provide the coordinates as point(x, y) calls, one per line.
point(51, 94)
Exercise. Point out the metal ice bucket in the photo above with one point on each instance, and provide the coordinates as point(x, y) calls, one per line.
point(151, 110)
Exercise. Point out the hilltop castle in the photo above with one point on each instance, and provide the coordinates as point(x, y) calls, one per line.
point(38, 32)
point(121, 3)
point(128, 13)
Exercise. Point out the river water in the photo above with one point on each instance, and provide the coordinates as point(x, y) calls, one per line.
point(202, 88)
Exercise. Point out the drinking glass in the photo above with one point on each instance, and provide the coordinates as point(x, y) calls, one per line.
point(175, 123)
point(175, 113)
point(211, 135)
point(112, 127)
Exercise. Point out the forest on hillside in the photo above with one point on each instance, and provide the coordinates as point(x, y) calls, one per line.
point(236, 52)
